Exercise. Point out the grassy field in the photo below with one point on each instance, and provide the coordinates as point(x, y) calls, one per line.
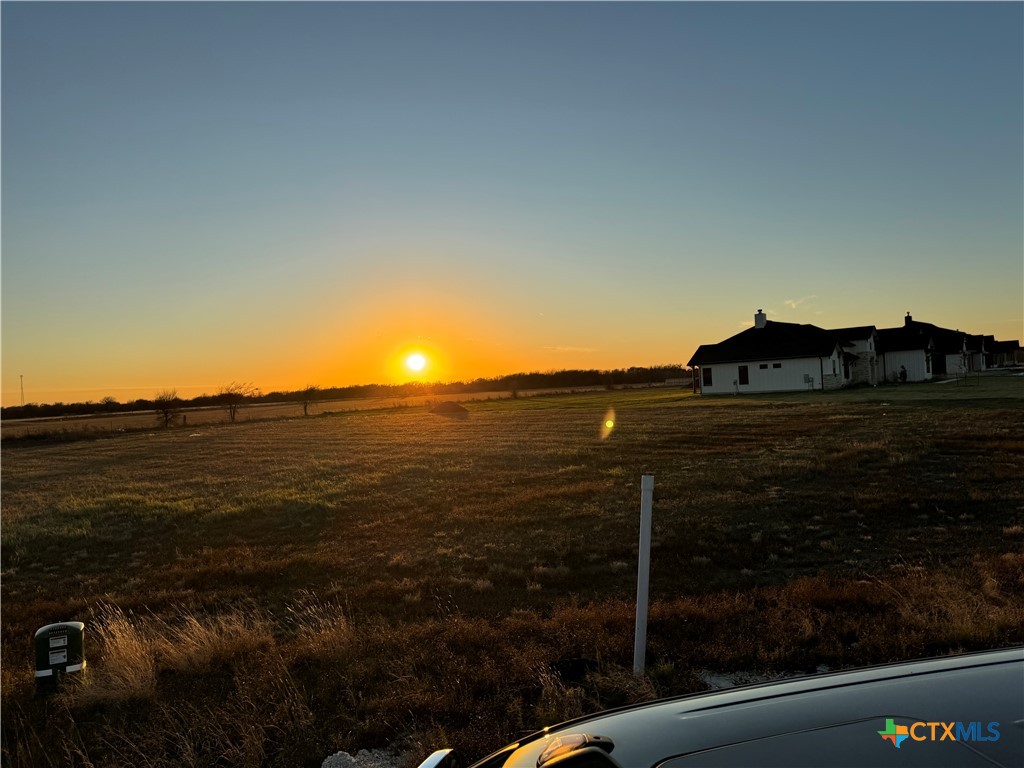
point(267, 593)
point(114, 424)
point(105, 425)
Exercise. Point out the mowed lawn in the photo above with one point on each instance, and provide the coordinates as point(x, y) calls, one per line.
point(366, 559)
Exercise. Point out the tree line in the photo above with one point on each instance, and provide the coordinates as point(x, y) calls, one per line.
point(234, 395)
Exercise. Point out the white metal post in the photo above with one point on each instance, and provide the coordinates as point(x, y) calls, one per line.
point(643, 574)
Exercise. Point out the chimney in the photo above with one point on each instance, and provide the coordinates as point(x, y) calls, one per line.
point(760, 319)
point(907, 320)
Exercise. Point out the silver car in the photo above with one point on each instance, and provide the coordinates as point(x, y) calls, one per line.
point(965, 710)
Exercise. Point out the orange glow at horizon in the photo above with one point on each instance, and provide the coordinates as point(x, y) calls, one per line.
point(460, 334)
point(417, 330)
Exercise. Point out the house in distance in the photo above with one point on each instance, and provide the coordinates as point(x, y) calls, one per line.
point(783, 357)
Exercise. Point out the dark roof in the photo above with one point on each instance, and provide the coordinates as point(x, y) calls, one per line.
point(776, 341)
point(848, 336)
point(852, 334)
point(902, 339)
point(1005, 346)
point(976, 342)
point(918, 335)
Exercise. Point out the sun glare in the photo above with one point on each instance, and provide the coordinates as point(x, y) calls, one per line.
point(415, 362)
point(608, 424)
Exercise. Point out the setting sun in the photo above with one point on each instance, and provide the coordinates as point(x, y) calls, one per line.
point(415, 362)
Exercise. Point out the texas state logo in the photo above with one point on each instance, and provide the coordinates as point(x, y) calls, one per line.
point(938, 731)
point(897, 734)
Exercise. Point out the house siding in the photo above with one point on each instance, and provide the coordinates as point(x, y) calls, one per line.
point(913, 360)
point(787, 378)
point(955, 364)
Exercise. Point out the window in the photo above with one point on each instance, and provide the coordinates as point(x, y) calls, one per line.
point(763, 366)
point(776, 365)
point(705, 377)
point(744, 376)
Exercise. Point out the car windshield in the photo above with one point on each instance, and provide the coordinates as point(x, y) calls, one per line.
point(382, 378)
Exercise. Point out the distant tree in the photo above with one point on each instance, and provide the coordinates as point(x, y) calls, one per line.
point(167, 405)
point(110, 403)
point(231, 397)
point(308, 395)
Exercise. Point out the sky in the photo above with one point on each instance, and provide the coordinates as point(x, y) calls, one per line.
point(195, 194)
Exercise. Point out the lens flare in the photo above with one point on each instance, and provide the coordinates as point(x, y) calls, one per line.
point(608, 424)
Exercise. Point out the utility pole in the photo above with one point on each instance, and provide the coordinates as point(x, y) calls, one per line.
point(22, 377)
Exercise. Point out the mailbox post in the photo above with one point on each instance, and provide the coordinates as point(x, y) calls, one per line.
point(59, 652)
point(643, 575)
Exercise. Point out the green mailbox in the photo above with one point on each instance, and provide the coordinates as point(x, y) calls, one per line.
point(58, 653)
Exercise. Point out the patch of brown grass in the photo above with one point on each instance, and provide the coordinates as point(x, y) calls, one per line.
point(195, 646)
point(246, 689)
point(127, 666)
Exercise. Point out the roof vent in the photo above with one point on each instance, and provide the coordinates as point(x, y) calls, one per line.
point(760, 319)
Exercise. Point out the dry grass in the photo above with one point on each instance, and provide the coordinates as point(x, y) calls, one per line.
point(274, 592)
point(129, 661)
point(254, 690)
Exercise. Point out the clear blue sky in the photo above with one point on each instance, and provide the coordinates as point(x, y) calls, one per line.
point(201, 193)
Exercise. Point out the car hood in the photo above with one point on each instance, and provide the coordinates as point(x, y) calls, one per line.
point(982, 688)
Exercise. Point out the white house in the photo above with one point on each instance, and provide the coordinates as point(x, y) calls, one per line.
point(899, 351)
point(927, 351)
point(780, 357)
point(771, 357)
